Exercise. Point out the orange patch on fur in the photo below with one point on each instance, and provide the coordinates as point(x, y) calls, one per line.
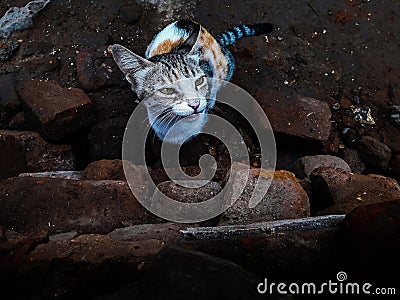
point(211, 45)
point(166, 46)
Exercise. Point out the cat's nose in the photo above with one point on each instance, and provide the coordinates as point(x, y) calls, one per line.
point(194, 104)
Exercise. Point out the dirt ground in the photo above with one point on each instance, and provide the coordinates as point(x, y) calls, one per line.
point(341, 52)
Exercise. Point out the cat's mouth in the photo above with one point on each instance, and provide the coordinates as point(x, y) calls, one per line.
point(194, 116)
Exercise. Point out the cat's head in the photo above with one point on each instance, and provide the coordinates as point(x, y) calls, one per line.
point(172, 86)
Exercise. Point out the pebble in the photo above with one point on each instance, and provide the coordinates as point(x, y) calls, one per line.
point(374, 153)
point(304, 166)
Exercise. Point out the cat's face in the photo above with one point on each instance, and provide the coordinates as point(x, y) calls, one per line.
point(173, 87)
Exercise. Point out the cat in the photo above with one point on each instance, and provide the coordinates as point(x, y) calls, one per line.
point(182, 50)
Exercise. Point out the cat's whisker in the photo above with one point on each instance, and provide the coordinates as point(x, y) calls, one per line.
point(215, 110)
point(160, 123)
point(172, 119)
point(161, 109)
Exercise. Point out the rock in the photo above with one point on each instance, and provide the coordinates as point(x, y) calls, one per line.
point(62, 205)
point(332, 144)
point(9, 242)
point(19, 122)
point(190, 195)
point(105, 139)
point(290, 249)
point(19, 18)
point(3, 237)
point(269, 227)
point(297, 120)
point(180, 274)
point(345, 101)
point(336, 191)
point(307, 187)
point(94, 249)
point(103, 268)
point(285, 198)
point(33, 49)
point(82, 263)
point(223, 164)
point(65, 236)
point(286, 157)
point(8, 98)
point(85, 265)
point(374, 153)
point(168, 233)
point(394, 166)
point(395, 115)
point(370, 232)
point(95, 70)
point(56, 111)
point(352, 158)
point(37, 66)
point(9, 102)
point(391, 139)
point(105, 170)
point(160, 175)
point(14, 249)
point(72, 175)
point(7, 49)
point(375, 225)
point(350, 137)
point(113, 102)
point(303, 167)
point(25, 151)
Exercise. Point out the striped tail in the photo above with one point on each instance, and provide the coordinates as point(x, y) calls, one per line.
point(236, 33)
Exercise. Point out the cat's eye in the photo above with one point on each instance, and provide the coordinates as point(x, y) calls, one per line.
point(167, 91)
point(199, 81)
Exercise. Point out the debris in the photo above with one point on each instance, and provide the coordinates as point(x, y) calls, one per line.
point(7, 49)
point(336, 106)
point(20, 18)
point(395, 116)
point(270, 227)
point(362, 115)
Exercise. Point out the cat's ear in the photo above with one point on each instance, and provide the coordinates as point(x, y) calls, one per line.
point(190, 44)
point(129, 62)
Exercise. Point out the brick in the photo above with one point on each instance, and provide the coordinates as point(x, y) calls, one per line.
point(26, 151)
point(54, 110)
point(285, 198)
point(61, 205)
point(336, 191)
point(298, 120)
